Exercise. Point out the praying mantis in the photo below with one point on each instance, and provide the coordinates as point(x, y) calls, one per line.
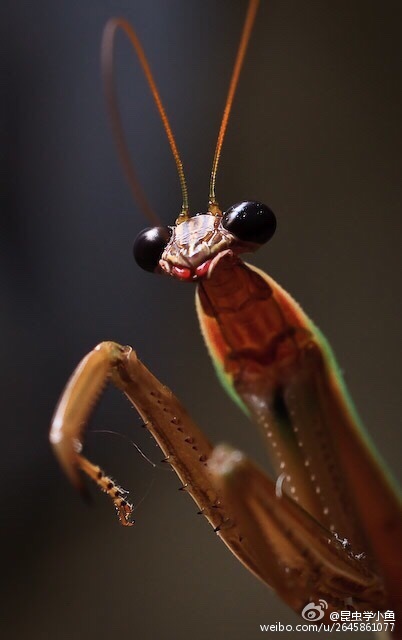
point(313, 532)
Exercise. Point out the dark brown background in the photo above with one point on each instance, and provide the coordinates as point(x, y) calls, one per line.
point(315, 133)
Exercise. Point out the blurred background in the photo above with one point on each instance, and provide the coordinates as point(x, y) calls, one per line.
point(315, 133)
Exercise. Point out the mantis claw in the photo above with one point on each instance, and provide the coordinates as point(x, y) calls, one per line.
point(107, 485)
point(72, 413)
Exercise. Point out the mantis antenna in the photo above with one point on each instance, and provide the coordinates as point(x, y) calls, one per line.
point(241, 52)
point(107, 71)
point(107, 49)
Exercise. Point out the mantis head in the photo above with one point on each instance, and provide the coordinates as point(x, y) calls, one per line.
point(187, 249)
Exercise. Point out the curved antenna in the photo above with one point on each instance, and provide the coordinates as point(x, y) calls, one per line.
point(241, 52)
point(107, 71)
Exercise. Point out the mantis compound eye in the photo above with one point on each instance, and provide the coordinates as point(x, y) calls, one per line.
point(149, 246)
point(250, 222)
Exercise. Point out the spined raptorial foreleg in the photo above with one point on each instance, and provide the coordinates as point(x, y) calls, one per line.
point(272, 537)
point(183, 444)
point(185, 447)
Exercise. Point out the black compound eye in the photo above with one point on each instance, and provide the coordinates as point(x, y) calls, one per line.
point(149, 246)
point(250, 222)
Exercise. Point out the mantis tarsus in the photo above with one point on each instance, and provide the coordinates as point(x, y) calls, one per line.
point(312, 534)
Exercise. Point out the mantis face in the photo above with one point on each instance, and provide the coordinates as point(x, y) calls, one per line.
point(186, 250)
